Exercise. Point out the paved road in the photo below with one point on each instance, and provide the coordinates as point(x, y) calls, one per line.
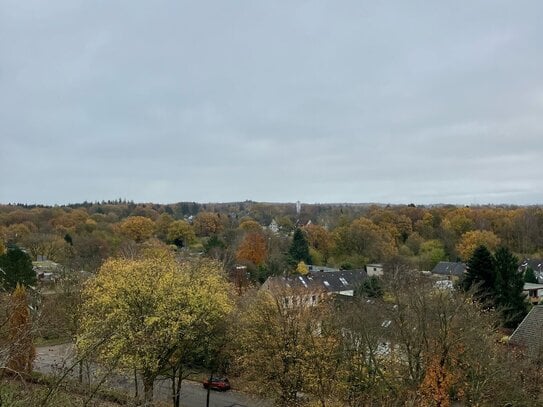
point(56, 359)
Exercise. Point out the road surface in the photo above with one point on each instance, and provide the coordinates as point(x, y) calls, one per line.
point(56, 359)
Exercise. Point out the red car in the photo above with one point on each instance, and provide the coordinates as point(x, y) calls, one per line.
point(217, 383)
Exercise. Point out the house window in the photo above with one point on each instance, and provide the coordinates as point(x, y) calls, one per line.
point(343, 281)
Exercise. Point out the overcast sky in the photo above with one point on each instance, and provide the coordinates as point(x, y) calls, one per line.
point(317, 101)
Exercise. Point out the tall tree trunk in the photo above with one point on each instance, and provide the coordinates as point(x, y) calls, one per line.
point(209, 389)
point(136, 394)
point(148, 383)
point(175, 387)
point(178, 390)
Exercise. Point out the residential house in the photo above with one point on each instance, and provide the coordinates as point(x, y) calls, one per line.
point(528, 334)
point(314, 286)
point(450, 270)
point(374, 270)
point(535, 264)
point(46, 270)
point(274, 227)
point(534, 292)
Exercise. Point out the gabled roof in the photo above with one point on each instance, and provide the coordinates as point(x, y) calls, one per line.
point(535, 264)
point(331, 282)
point(338, 281)
point(529, 334)
point(449, 268)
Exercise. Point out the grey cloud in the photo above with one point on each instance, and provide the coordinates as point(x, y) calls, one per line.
point(317, 101)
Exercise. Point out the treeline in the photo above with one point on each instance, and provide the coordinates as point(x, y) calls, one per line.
point(259, 234)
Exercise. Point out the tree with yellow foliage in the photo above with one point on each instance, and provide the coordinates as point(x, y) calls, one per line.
point(137, 228)
point(302, 268)
point(181, 233)
point(471, 240)
point(250, 225)
point(277, 347)
point(152, 313)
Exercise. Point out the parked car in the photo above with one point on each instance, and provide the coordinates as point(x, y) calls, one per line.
point(217, 383)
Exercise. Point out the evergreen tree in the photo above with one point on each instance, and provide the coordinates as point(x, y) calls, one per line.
point(510, 300)
point(370, 288)
point(16, 267)
point(299, 249)
point(68, 239)
point(481, 276)
point(529, 276)
point(22, 351)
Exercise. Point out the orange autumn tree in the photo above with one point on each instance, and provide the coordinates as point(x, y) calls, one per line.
point(253, 249)
point(437, 383)
point(21, 351)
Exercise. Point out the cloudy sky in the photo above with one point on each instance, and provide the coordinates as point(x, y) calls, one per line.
point(317, 101)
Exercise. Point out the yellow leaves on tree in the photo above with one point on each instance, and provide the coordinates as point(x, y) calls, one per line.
point(459, 221)
point(69, 219)
point(142, 313)
point(364, 238)
point(471, 240)
point(181, 233)
point(250, 225)
point(277, 347)
point(302, 268)
point(162, 224)
point(207, 224)
point(252, 249)
point(137, 228)
point(318, 237)
point(21, 350)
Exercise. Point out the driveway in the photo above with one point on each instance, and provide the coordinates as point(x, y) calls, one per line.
point(56, 359)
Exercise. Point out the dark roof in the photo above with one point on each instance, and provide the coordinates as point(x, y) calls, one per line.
point(529, 334)
point(332, 282)
point(449, 268)
point(534, 264)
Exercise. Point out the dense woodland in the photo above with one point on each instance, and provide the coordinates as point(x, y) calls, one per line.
point(82, 236)
point(160, 298)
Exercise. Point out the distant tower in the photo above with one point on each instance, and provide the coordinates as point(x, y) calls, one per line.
point(298, 207)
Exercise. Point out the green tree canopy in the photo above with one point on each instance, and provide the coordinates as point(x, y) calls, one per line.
point(181, 233)
point(510, 299)
point(16, 268)
point(299, 249)
point(371, 288)
point(497, 283)
point(481, 275)
point(529, 276)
